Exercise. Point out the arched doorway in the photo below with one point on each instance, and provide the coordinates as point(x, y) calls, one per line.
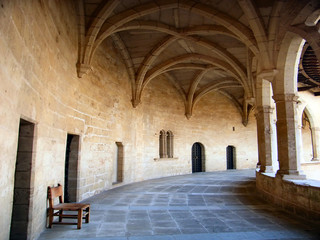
point(231, 153)
point(198, 160)
point(71, 168)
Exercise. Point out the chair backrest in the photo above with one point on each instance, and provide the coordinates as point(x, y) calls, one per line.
point(54, 192)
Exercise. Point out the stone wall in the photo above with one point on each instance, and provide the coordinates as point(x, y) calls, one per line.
point(39, 84)
point(297, 196)
point(215, 123)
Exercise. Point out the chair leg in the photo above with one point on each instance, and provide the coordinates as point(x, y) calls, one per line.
point(79, 218)
point(60, 215)
point(50, 218)
point(88, 215)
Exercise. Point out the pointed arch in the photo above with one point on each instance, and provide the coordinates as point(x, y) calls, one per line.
point(127, 59)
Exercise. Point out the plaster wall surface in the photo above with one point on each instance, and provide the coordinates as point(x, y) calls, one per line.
point(39, 83)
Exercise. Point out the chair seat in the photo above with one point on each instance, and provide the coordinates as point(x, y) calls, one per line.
point(70, 206)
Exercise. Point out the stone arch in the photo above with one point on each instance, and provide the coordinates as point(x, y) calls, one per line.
point(285, 95)
point(122, 18)
point(306, 136)
point(314, 132)
point(287, 65)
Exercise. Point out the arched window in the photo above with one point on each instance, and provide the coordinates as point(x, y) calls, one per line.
point(170, 144)
point(166, 144)
point(163, 144)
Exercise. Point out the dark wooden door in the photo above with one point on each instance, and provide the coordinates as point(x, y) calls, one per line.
point(196, 158)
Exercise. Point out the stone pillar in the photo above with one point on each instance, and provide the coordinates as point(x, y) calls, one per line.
point(315, 134)
point(286, 133)
point(264, 130)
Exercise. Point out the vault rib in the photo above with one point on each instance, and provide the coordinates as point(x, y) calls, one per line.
point(120, 19)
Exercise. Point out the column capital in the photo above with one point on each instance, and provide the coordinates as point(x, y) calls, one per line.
point(287, 97)
point(83, 69)
point(263, 109)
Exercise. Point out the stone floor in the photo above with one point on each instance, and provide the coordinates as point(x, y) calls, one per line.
point(217, 205)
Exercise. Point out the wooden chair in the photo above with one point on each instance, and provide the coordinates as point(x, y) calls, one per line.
point(82, 209)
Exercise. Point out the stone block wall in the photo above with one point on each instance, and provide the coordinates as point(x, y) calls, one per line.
point(39, 83)
point(300, 196)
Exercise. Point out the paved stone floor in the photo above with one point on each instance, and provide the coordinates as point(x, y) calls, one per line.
point(217, 205)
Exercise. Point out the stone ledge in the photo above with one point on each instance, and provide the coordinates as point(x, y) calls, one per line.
point(301, 197)
point(165, 159)
point(312, 162)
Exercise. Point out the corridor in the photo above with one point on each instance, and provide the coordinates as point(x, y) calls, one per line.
point(217, 205)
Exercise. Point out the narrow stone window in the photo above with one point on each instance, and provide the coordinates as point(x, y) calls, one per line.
point(170, 144)
point(118, 164)
point(163, 144)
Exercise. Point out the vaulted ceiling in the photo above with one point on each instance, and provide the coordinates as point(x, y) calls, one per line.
point(199, 45)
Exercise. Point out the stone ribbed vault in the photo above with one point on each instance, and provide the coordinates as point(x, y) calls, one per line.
point(200, 46)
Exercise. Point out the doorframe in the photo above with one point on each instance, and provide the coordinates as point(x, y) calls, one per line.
point(75, 197)
point(32, 174)
point(203, 159)
point(118, 164)
point(234, 166)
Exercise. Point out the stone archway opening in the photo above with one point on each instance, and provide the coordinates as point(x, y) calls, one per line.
point(71, 168)
point(23, 189)
point(198, 158)
point(231, 157)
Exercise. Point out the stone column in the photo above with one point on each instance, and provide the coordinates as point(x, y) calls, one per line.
point(315, 134)
point(264, 130)
point(286, 133)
